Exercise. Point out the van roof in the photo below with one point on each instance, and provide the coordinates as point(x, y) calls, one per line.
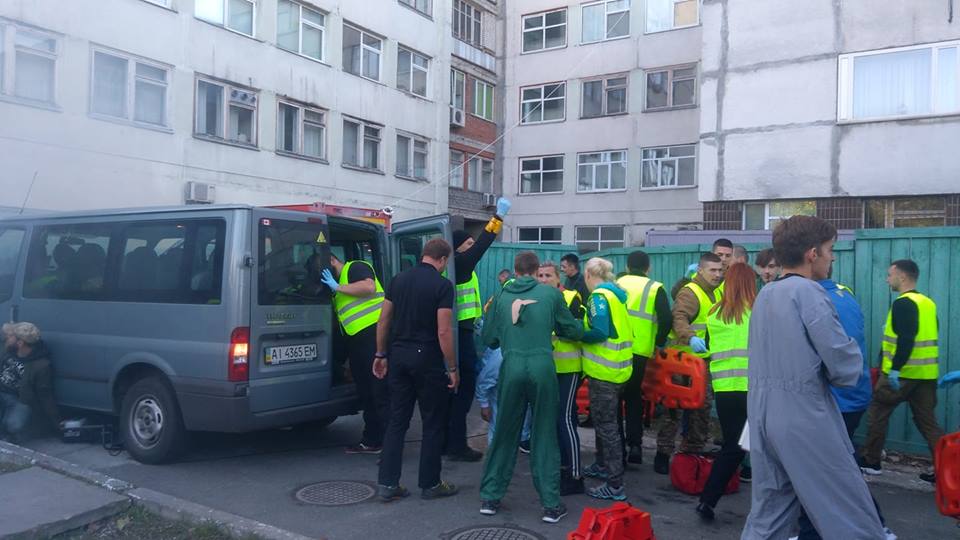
point(43, 214)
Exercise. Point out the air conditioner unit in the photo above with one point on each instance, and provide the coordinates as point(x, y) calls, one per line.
point(489, 200)
point(456, 117)
point(200, 193)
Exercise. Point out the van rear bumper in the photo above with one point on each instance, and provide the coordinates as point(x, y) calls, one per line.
point(231, 414)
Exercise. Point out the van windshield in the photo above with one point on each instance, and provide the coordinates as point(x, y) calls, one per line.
point(292, 255)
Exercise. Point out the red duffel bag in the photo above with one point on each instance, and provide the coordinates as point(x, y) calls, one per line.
point(689, 473)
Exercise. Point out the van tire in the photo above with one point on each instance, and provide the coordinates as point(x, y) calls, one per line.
point(150, 421)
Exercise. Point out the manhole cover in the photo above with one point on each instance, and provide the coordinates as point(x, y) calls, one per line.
point(493, 533)
point(335, 493)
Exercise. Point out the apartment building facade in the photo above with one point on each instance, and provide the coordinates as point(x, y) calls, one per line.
point(602, 120)
point(845, 110)
point(111, 103)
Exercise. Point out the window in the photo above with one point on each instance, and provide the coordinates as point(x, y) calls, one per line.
point(766, 216)
point(541, 174)
point(483, 99)
point(162, 3)
point(905, 212)
point(602, 171)
point(669, 14)
point(11, 242)
point(286, 269)
point(598, 237)
point(68, 262)
point(361, 144)
point(129, 88)
point(909, 81)
point(675, 87)
point(456, 169)
point(538, 235)
point(545, 31)
point(423, 6)
point(604, 97)
point(361, 53)
point(226, 112)
point(28, 61)
point(458, 88)
point(480, 175)
point(467, 23)
point(542, 103)
point(412, 156)
point(300, 29)
point(301, 130)
point(605, 20)
point(670, 166)
point(412, 69)
point(237, 15)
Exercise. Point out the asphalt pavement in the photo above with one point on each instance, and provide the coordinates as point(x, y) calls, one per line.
point(258, 475)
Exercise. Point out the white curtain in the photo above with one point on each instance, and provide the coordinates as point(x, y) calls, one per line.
point(109, 85)
point(947, 99)
point(892, 84)
point(659, 15)
point(594, 20)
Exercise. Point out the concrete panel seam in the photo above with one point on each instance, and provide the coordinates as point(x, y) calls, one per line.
point(721, 94)
point(768, 128)
point(749, 68)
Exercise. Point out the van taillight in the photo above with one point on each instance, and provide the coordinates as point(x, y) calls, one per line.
point(238, 360)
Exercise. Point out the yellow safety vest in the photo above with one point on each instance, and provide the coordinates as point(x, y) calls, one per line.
point(699, 324)
point(611, 360)
point(566, 353)
point(923, 360)
point(728, 352)
point(356, 313)
point(468, 299)
point(641, 298)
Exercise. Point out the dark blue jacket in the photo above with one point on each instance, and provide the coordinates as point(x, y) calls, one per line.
point(853, 398)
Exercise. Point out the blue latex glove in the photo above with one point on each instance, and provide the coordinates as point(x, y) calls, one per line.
point(503, 206)
point(692, 268)
point(949, 379)
point(893, 379)
point(327, 278)
point(698, 345)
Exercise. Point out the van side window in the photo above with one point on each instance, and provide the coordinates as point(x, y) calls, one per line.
point(10, 242)
point(290, 259)
point(68, 262)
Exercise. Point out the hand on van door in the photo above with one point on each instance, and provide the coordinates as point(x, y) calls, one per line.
point(503, 206)
point(327, 278)
point(380, 367)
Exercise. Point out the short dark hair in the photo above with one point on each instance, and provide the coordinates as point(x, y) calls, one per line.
point(793, 237)
point(765, 257)
point(709, 257)
point(526, 263)
point(503, 271)
point(722, 242)
point(571, 258)
point(638, 261)
point(437, 249)
point(908, 267)
point(740, 251)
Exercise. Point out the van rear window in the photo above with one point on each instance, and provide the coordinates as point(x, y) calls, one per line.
point(292, 255)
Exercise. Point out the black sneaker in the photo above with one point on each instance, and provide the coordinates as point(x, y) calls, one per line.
point(363, 449)
point(553, 515)
point(469, 454)
point(571, 486)
point(489, 508)
point(705, 511)
point(929, 477)
point(635, 455)
point(391, 493)
point(661, 463)
point(439, 491)
point(746, 474)
point(872, 469)
point(525, 447)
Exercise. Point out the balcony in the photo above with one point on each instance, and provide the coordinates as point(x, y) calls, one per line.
point(474, 55)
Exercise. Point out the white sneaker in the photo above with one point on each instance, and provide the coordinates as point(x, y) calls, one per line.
point(889, 533)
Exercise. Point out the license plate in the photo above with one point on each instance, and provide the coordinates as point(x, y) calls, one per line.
point(291, 353)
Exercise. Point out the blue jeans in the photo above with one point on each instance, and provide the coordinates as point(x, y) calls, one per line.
point(14, 414)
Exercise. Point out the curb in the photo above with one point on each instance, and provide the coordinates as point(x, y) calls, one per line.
point(165, 505)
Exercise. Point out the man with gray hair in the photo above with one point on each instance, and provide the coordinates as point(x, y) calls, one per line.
point(740, 255)
point(26, 380)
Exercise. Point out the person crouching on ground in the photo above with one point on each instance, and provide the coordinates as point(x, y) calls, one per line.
point(26, 381)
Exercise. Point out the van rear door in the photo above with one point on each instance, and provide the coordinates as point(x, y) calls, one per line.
point(291, 314)
point(11, 245)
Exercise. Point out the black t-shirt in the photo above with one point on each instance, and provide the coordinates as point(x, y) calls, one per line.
point(359, 271)
point(416, 295)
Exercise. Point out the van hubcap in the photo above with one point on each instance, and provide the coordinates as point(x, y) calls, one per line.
point(147, 421)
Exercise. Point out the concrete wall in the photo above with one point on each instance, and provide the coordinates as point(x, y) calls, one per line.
point(81, 162)
point(637, 210)
point(769, 98)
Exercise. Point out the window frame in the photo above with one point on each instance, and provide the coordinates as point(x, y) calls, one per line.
point(542, 101)
point(362, 137)
point(489, 88)
point(606, 13)
point(414, 67)
point(225, 112)
point(541, 172)
point(315, 26)
point(646, 12)
point(479, 163)
point(845, 89)
point(459, 168)
point(470, 16)
point(695, 157)
point(543, 29)
point(411, 154)
point(540, 241)
point(609, 163)
point(226, 17)
point(8, 64)
point(412, 4)
point(131, 85)
point(364, 48)
point(605, 89)
point(455, 76)
point(767, 215)
point(600, 241)
point(302, 121)
point(671, 79)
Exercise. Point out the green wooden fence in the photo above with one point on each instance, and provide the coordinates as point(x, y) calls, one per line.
point(861, 264)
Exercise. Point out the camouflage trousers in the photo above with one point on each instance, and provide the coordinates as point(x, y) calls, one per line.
point(698, 428)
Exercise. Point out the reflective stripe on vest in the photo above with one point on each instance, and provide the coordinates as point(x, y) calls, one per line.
point(641, 300)
point(566, 354)
point(357, 313)
point(923, 363)
point(699, 324)
point(728, 352)
point(612, 360)
point(468, 299)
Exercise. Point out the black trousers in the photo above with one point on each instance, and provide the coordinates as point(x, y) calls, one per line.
point(634, 404)
point(415, 375)
point(732, 413)
point(374, 396)
point(456, 441)
point(567, 422)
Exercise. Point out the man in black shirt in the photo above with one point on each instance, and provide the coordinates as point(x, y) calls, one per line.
point(416, 320)
point(570, 266)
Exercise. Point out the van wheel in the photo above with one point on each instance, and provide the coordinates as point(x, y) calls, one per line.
point(150, 422)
